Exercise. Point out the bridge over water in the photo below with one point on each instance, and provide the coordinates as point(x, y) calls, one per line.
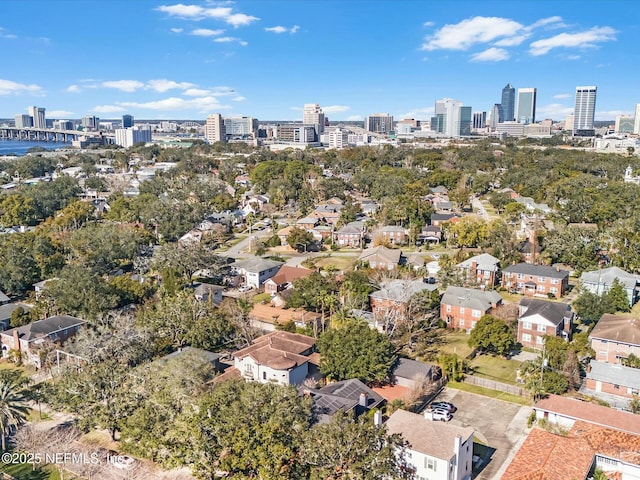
point(47, 134)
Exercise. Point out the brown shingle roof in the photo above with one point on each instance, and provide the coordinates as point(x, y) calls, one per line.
point(270, 314)
point(618, 328)
point(279, 350)
point(288, 274)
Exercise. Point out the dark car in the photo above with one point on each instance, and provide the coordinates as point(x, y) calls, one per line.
point(449, 407)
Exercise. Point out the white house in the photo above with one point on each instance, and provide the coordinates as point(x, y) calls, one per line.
point(279, 357)
point(600, 281)
point(256, 270)
point(437, 450)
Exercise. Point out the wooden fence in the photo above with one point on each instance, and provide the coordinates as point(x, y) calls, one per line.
point(494, 385)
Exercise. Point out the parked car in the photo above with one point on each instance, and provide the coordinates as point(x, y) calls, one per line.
point(449, 407)
point(244, 288)
point(442, 415)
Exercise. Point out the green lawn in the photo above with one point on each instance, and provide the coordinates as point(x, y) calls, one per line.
point(466, 387)
point(25, 471)
point(456, 342)
point(495, 368)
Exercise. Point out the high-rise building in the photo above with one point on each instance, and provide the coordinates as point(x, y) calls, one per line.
point(63, 124)
point(568, 123)
point(495, 116)
point(584, 111)
point(452, 118)
point(128, 137)
point(214, 129)
point(438, 120)
point(39, 120)
point(296, 133)
point(312, 115)
point(338, 138)
point(240, 127)
point(479, 120)
point(23, 121)
point(90, 121)
point(127, 121)
point(379, 123)
point(526, 112)
point(624, 124)
point(508, 103)
point(636, 121)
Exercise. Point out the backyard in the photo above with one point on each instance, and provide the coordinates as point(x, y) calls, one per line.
point(495, 368)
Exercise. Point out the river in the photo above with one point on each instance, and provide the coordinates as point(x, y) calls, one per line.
point(18, 147)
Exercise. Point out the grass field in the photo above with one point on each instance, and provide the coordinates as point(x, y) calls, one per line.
point(456, 342)
point(339, 262)
point(25, 471)
point(495, 368)
point(489, 393)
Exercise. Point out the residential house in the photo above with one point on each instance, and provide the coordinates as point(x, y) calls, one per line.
point(535, 280)
point(328, 213)
point(206, 292)
point(307, 223)
point(437, 450)
point(391, 302)
point(284, 279)
point(192, 354)
point(601, 280)
point(39, 287)
point(462, 307)
point(437, 219)
point(346, 396)
point(481, 269)
point(267, 317)
point(283, 233)
point(7, 309)
point(412, 374)
point(321, 232)
point(256, 270)
point(593, 437)
point(430, 234)
point(27, 338)
point(613, 379)
point(350, 235)
point(393, 234)
point(529, 251)
point(615, 337)
point(369, 207)
point(537, 318)
point(279, 357)
point(381, 257)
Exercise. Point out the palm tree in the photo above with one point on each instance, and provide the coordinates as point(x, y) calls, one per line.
point(13, 406)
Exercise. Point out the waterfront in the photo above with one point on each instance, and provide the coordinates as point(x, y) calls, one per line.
point(18, 147)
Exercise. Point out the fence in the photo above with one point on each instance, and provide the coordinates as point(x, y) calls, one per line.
point(494, 385)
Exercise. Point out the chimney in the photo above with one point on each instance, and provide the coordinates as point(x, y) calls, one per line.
point(377, 418)
point(364, 400)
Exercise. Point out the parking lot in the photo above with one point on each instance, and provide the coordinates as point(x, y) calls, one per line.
point(498, 424)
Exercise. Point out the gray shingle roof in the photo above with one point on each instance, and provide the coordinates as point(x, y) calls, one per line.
point(401, 290)
point(44, 328)
point(539, 270)
point(406, 368)
point(615, 374)
point(483, 262)
point(555, 312)
point(606, 276)
point(617, 328)
point(256, 264)
point(471, 298)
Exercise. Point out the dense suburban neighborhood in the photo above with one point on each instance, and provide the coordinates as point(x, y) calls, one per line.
point(220, 310)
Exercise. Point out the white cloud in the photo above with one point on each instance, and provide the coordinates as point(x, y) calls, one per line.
point(206, 32)
point(612, 114)
point(59, 113)
point(162, 85)
point(177, 30)
point(239, 99)
point(8, 87)
point(277, 29)
point(124, 85)
point(428, 24)
point(419, 113)
point(201, 104)
point(492, 54)
point(196, 12)
point(560, 96)
point(557, 111)
point(586, 39)
point(512, 41)
point(461, 36)
point(294, 29)
point(230, 40)
point(107, 109)
point(546, 21)
point(73, 89)
point(336, 109)
point(353, 118)
point(196, 92)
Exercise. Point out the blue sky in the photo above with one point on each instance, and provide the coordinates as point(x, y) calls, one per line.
point(186, 59)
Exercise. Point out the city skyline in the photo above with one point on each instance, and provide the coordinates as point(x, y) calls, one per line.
point(169, 60)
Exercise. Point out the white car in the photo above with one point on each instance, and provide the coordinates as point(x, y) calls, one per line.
point(439, 414)
point(123, 462)
point(245, 288)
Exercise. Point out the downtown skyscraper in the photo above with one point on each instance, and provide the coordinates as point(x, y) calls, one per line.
point(508, 103)
point(584, 111)
point(526, 111)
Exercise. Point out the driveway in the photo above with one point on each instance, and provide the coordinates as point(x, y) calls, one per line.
point(500, 425)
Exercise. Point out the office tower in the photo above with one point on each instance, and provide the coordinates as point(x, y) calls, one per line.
point(508, 103)
point(338, 138)
point(568, 122)
point(38, 116)
point(296, 133)
point(526, 112)
point(636, 121)
point(240, 127)
point(495, 116)
point(438, 120)
point(312, 115)
point(127, 121)
point(379, 123)
point(90, 121)
point(23, 121)
point(214, 129)
point(453, 119)
point(584, 111)
point(128, 137)
point(479, 120)
point(63, 125)
point(624, 124)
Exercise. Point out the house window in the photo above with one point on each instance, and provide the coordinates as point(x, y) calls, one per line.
point(462, 322)
point(430, 463)
point(554, 281)
point(487, 274)
point(521, 276)
point(526, 337)
point(526, 325)
point(542, 279)
point(520, 285)
point(476, 313)
point(616, 387)
point(448, 308)
point(542, 328)
point(461, 310)
point(541, 288)
point(264, 375)
point(540, 340)
point(554, 290)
